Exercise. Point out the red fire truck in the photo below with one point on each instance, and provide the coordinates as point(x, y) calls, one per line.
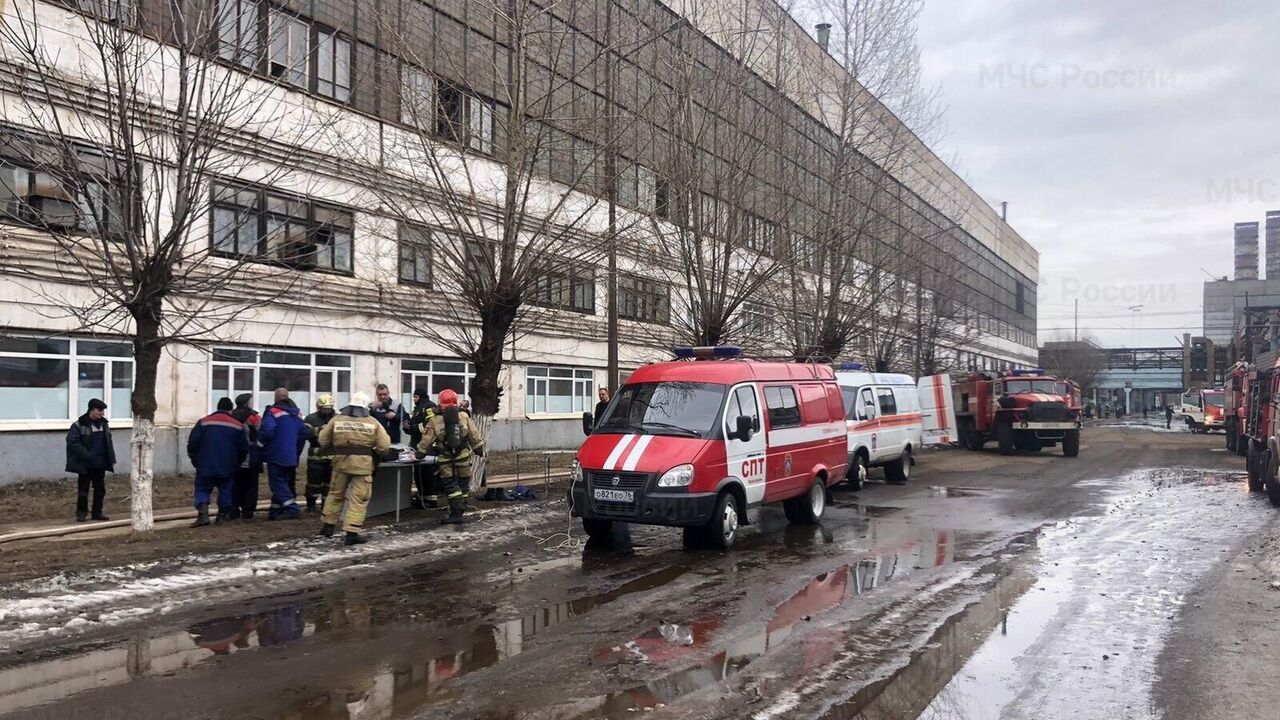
point(1262, 446)
point(1023, 409)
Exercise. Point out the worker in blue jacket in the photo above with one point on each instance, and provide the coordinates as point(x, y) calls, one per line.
point(282, 436)
point(217, 445)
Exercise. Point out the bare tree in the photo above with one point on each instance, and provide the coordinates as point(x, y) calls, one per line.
point(1082, 361)
point(880, 113)
point(500, 174)
point(122, 121)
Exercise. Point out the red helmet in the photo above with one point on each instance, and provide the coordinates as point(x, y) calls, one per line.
point(448, 398)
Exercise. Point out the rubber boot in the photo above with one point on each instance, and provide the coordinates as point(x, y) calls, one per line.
point(327, 530)
point(81, 517)
point(311, 503)
point(456, 508)
point(432, 502)
point(355, 539)
point(202, 515)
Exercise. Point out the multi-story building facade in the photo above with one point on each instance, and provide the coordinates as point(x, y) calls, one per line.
point(386, 72)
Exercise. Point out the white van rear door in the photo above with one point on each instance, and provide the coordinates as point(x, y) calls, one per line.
point(936, 404)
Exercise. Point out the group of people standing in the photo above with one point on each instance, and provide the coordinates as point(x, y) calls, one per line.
point(231, 447)
point(346, 445)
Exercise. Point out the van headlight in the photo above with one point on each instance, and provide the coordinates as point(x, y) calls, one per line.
point(678, 476)
point(575, 472)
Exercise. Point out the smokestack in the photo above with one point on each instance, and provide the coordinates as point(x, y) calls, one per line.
point(824, 35)
point(1246, 252)
point(1004, 211)
point(1273, 245)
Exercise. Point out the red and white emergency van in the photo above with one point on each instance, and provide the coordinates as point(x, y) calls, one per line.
point(704, 441)
point(889, 417)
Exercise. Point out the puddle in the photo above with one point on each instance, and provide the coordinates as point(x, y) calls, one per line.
point(956, 492)
point(348, 614)
point(897, 555)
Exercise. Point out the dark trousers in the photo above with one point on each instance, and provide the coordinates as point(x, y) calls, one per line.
point(318, 475)
point(282, 480)
point(424, 477)
point(245, 492)
point(96, 478)
point(205, 485)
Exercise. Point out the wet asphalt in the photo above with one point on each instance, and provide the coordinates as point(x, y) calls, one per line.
point(1034, 586)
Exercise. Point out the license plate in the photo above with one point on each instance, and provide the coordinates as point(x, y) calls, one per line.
point(614, 495)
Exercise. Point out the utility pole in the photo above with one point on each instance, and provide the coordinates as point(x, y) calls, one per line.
point(611, 175)
point(1076, 335)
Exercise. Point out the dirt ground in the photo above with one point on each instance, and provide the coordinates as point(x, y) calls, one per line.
point(53, 499)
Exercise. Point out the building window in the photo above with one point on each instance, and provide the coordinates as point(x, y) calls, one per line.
point(558, 390)
point(266, 225)
point(55, 378)
point(415, 254)
point(1021, 295)
point(642, 299)
point(306, 375)
point(480, 129)
point(237, 22)
point(762, 235)
point(116, 10)
point(417, 98)
point(434, 376)
point(464, 119)
point(566, 288)
point(756, 320)
point(333, 67)
point(45, 194)
point(637, 186)
point(290, 51)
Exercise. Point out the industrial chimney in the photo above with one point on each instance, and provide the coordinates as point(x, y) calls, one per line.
point(1246, 253)
point(1273, 245)
point(824, 35)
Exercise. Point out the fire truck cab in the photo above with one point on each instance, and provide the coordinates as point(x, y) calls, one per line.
point(1235, 407)
point(1203, 410)
point(1022, 409)
point(703, 441)
point(1259, 436)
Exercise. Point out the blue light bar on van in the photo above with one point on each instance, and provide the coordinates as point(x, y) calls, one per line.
point(1022, 372)
point(851, 366)
point(703, 352)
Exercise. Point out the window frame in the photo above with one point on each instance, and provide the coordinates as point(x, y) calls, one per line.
point(423, 244)
point(314, 367)
point(266, 211)
point(644, 289)
point(565, 278)
point(889, 408)
point(776, 420)
point(119, 414)
point(413, 371)
point(538, 381)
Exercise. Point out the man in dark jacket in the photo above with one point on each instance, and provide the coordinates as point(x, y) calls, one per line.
point(603, 394)
point(282, 434)
point(90, 455)
point(244, 492)
point(424, 476)
point(217, 445)
point(387, 413)
point(319, 464)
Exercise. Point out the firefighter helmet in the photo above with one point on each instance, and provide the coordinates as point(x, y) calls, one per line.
point(448, 398)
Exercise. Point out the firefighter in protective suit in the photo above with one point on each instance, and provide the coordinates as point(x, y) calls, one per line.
point(452, 437)
point(355, 441)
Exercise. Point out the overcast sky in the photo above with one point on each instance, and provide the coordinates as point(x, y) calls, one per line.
point(1127, 138)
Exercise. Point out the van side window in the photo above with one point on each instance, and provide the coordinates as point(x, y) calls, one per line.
point(783, 410)
point(888, 406)
point(902, 397)
point(813, 403)
point(742, 402)
point(850, 402)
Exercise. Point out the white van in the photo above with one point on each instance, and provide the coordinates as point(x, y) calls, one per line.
point(890, 416)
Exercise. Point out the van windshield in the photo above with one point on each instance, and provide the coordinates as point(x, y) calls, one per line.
point(665, 408)
point(1030, 386)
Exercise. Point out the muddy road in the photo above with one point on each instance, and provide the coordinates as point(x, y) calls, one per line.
point(1034, 586)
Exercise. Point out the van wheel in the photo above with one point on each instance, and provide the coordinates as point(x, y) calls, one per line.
point(722, 529)
point(1071, 444)
point(807, 509)
point(857, 475)
point(1004, 438)
point(899, 471)
point(598, 529)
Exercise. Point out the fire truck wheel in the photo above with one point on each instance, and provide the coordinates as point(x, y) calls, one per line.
point(1004, 438)
point(1253, 463)
point(899, 471)
point(722, 529)
point(1071, 443)
point(807, 509)
point(598, 529)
